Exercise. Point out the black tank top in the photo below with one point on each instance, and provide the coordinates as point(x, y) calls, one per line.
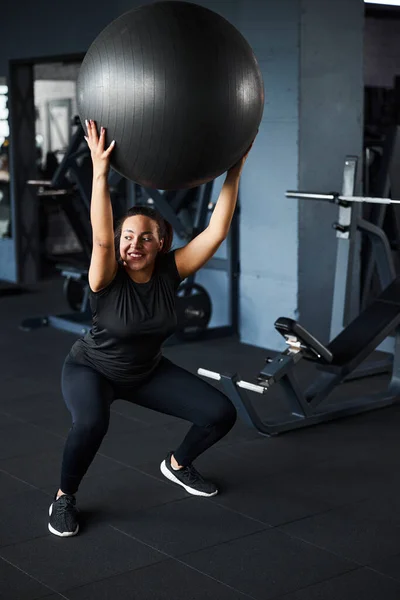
point(130, 321)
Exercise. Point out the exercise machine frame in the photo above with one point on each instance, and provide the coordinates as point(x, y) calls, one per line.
point(336, 362)
point(355, 333)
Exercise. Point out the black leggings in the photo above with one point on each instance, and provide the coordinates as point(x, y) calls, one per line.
point(170, 389)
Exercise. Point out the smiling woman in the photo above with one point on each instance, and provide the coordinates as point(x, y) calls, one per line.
point(134, 277)
point(139, 247)
point(139, 237)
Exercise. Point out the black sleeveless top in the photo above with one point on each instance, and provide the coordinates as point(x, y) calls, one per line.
point(130, 321)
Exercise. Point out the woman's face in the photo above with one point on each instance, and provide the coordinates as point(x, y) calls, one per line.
point(140, 242)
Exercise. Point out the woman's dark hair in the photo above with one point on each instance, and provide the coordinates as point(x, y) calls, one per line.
point(165, 231)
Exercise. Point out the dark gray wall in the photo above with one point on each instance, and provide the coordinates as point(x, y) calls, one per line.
point(269, 224)
point(331, 127)
point(47, 28)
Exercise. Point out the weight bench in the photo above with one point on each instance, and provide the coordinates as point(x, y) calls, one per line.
point(336, 363)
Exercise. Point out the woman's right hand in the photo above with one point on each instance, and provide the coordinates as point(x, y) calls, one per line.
point(96, 143)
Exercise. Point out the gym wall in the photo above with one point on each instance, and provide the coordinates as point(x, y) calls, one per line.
point(330, 127)
point(312, 119)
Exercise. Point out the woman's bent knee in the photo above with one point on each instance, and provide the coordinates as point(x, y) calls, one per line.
point(223, 413)
point(229, 415)
point(93, 429)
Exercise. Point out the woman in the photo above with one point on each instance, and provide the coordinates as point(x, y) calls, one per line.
point(133, 278)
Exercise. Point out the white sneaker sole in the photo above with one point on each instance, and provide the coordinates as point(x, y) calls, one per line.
point(167, 473)
point(59, 533)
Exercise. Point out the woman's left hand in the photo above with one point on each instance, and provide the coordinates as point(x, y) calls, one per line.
point(238, 167)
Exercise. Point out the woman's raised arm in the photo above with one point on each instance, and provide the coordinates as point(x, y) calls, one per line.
point(103, 264)
point(196, 253)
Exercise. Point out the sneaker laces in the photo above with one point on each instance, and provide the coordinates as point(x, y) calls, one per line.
point(192, 474)
point(65, 499)
point(64, 506)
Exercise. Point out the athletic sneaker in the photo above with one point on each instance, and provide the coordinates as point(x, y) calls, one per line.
point(188, 478)
point(64, 516)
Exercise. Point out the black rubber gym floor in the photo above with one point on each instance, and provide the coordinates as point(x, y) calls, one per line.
point(309, 515)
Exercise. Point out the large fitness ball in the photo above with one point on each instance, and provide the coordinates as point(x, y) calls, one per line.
point(178, 88)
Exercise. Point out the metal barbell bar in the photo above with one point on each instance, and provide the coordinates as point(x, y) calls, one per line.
point(339, 199)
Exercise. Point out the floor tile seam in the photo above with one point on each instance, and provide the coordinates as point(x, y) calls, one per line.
point(128, 466)
point(178, 560)
point(114, 460)
point(337, 576)
point(285, 470)
point(94, 476)
point(127, 417)
point(161, 479)
point(89, 477)
point(25, 422)
point(225, 448)
point(266, 526)
point(309, 516)
point(124, 465)
point(24, 541)
point(155, 506)
point(208, 547)
point(375, 570)
point(323, 549)
point(28, 452)
point(291, 469)
point(33, 578)
point(335, 508)
point(167, 559)
point(38, 537)
point(19, 479)
point(348, 570)
point(269, 530)
point(319, 513)
point(242, 514)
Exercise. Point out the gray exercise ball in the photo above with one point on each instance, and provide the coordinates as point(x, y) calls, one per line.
point(178, 88)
